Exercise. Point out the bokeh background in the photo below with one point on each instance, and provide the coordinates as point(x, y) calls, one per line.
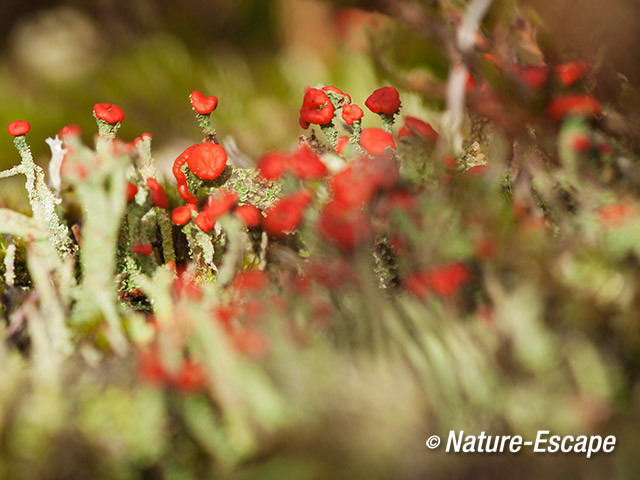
point(61, 57)
point(147, 56)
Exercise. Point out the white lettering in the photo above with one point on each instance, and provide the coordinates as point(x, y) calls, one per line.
point(540, 440)
point(516, 441)
point(609, 441)
point(593, 449)
point(452, 440)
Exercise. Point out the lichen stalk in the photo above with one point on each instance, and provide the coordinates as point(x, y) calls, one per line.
point(43, 201)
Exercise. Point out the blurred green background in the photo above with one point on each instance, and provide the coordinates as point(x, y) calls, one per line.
point(147, 56)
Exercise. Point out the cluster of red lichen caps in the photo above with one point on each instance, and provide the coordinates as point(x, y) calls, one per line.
point(302, 163)
point(564, 100)
point(343, 221)
point(366, 186)
point(206, 161)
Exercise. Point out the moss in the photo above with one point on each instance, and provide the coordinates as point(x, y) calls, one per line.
point(385, 264)
point(253, 189)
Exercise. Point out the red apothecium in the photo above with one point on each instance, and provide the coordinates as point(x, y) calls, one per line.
point(18, 127)
point(272, 165)
point(157, 193)
point(316, 108)
point(182, 214)
point(535, 76)
point(132, 189)
point(249, 214)
point(217, 205)
point(344, 227)
point(285, 215)
point(70, 131)
point(570, 72)
point(201, 104)
point(108, 112)
point(305, 164)
point(207, 160)
point(573, 104)
point(376, 141)
point(414, 125)
point(384, 100)
point(351, 113)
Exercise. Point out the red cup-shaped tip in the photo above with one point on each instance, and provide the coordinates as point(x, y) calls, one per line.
point(181, 215)
point(71, 130)
point(201, 104)
point(207, 160)
point(306, 165)
point(19, 127)
point(108, 112)
point(272, 165)
point(158, 195)
point(416, 126)
point(205, 222)
point(376, 141)
point(575, 104)
point(384, 100)
point(316, 108)
point(283, 217)
point(351, 113)
point(249, 214)
point(132, 189)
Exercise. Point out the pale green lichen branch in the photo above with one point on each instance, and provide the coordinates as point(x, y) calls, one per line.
point(205, 243)
point(106, 131)
point(204, 121)
point(15, 223)
point(57, 155)
point(387, 122)
point(102, 220)
point(146, 165)
point(164, 222)
point(354, 139)
point(12, 171)
point(331, 132)
point(9, 265)
point(45, 275)
point(43, 201)
point(236, 245)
